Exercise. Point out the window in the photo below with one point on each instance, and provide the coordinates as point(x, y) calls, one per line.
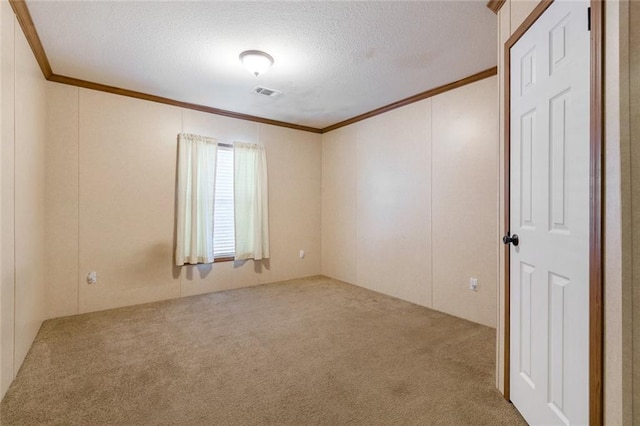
point(223, 215)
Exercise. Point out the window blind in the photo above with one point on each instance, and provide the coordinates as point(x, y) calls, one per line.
point(223, 214)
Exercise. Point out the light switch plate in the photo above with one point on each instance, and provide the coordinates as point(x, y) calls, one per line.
point(473, 284)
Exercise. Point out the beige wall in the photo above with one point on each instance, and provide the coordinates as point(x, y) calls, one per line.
point(2, 38)
point(617, 241)
point(111, 170)
point(7, 74)
point(634, 84)
point(339, 187)
point(409, 202)
point(7, 84)
point(617, 253)
point(22, 228)
point(464, 201)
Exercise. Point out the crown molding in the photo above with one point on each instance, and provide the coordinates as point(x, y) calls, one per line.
point(495, 5)
point(197, 107)
point(28, 28)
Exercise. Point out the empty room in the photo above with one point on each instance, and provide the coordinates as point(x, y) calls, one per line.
point(319, 212)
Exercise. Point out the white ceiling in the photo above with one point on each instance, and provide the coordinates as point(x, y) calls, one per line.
point(333, 60)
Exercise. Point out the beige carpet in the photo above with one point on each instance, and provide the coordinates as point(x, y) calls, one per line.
point(309, 351)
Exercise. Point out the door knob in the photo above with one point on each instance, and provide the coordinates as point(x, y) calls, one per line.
point(510, 239)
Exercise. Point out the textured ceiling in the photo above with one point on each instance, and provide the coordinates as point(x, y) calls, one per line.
point(333, 60)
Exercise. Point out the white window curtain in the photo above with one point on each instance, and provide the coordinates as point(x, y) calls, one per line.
point(196, 183)
point(251, 202)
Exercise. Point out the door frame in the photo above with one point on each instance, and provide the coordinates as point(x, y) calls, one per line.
point(596, 307)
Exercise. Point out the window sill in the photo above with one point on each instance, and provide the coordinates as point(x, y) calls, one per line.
point(223, 259)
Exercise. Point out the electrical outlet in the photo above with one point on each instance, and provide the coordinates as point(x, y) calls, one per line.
point(473, 284)
point(301, 254)
point(92, 277)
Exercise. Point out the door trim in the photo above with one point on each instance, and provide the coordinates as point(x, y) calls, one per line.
point(595, 204)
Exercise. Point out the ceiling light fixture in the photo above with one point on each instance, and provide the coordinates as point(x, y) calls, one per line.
point(256, 62)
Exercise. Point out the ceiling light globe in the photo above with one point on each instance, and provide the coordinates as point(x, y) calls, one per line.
point(256, 62)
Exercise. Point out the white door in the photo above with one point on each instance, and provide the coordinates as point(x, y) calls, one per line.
point(549, 269)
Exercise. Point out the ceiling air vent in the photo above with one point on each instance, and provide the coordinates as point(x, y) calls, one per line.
point(266, 92)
